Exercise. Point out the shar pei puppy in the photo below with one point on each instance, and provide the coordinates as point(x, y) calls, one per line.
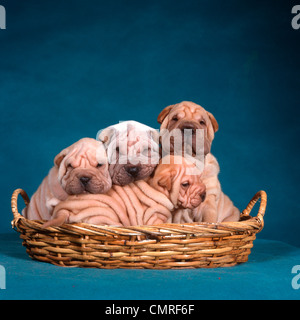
point(187, 128)
point(80, 168)
point(180, 180)
point(217, 206)
point(132, 150)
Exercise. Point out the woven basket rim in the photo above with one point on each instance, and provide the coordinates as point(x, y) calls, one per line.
point(245, 223)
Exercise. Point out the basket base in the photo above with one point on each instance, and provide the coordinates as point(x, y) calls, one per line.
point(212, 256)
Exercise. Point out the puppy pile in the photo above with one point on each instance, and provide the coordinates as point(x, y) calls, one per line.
point(133, 175)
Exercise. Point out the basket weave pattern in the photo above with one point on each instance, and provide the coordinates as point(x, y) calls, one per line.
point(166, 246)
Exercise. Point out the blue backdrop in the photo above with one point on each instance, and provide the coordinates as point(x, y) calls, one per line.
point(70, 68)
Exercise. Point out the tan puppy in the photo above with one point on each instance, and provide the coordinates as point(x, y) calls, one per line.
point(187, 117)
point(173, 187)
point(80, 168)
point(132, 150)
point(180, 180)
point(217, 207)
point(134, 204)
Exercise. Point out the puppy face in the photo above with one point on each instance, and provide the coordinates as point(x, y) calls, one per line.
point(187, 116)
point(83, 168)
point(132, 149)
point(180, 182)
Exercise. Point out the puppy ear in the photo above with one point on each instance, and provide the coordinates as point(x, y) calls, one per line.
point(165, 182)
point(164, 113)
point(213, 121)
point(105, 135)
point(166, 179)
point(59, 158)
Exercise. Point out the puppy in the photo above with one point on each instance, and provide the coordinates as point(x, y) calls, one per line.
point(132, 149)
point(180, 180)
point(216, 207)
point(80, 168)
point(143, 202)
point(189, 118)
point(134, 204)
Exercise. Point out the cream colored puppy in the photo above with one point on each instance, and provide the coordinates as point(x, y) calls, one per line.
point(132, 150)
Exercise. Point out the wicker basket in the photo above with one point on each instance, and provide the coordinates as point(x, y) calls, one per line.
point(166, 246)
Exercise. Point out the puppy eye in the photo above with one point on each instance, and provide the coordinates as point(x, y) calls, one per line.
point(99, 165)
point(185, 184)
point(202, 122)
point(175, 119)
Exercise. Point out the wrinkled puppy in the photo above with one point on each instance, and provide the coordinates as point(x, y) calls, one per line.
point(132, 150)
point(143, 202)
point(80, 168)
point(217, 207)
point(180, 180)
point(190, 120)
point(134, 204)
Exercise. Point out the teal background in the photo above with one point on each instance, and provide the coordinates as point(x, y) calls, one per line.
point(70, 68)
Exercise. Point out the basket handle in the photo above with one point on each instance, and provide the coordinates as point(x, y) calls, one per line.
point(14, 202)
point(262, 208)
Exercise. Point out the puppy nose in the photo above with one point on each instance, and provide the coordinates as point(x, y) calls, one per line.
point(85, 180)
point(133, 171)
